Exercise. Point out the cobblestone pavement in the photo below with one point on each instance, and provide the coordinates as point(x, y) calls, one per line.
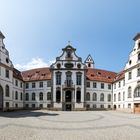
point(50, 125)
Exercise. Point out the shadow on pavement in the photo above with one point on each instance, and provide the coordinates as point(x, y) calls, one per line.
point(27, 113)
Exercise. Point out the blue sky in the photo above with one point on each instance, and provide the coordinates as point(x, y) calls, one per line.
point(37, 30)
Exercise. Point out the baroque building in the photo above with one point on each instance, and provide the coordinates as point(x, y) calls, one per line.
point(70, 84)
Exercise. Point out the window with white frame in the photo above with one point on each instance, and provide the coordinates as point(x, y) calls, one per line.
point(129, 75)
point(129, 92)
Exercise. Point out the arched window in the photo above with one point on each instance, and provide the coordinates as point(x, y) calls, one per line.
point(129, 92)
point(102, 97)
point(94, 97)
point(27, 96)
point(58, 96)
point(16, 95)
point(119, 96)
point(109, 97)
point(49, 96)
point(41, 96)
point(138, 56)
point(78, 96)
point(33, 96)
point(88, 96)
point(7, 91)
point(137, 92)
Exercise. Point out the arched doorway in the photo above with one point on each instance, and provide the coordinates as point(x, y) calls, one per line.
point(1, 98)
point(68, 96)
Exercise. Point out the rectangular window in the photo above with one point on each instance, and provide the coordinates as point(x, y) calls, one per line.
point(88, 84)
point(41, 84)
point(129, 105)
point(123, 96)
point(7, 73)
point(138, 72)
point(123, 82)
point(102, 85)
point(41, 106)
point(27, 105)
point(114, 97)
point(78, 79)
point(16, 95)
point(48, 105)
point(129, 75)
point(58, 78)
point(109, 86)
point(33, 85)
point(119, 84)
point(94, 85)
point(115, 86)
point(27, 85)
point(21, 85)
point(94, 105)
point(101, 106)
point(7, 104)
point(49, 84)
point(16, 81)
point(109, 106)
point(16, 105)
point(33, 105)
point(21, 96)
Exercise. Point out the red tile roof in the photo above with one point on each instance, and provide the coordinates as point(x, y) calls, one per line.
point(37, 74)
point(45, 74)
point(17, 74)
point(119, 76)
point(100, 75)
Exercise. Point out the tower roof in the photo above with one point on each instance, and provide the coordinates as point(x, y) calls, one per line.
point(1, 35)
point(89, 59)
point(137, 37)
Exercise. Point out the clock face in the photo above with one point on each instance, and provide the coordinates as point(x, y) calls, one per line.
point(68, 65)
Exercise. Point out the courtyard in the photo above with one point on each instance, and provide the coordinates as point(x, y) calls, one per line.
point(51, 125)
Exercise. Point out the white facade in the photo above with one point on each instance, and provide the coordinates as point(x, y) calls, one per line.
point(70, 86)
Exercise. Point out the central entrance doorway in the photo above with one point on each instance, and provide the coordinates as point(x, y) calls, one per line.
point(68, 96)
point(1, 98)
point(68, 100)
point(68, 107)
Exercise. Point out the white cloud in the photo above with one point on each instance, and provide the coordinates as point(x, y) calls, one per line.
point(34, 63)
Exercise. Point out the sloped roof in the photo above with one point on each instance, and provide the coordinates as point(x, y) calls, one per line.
point(119, 76)
point(91, 74)
point(17, 74)
point(37, 74)
point(1, 35)
point(100, 75)
point(136, 37)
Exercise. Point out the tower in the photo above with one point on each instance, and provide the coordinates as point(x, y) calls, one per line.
point(89, 62)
